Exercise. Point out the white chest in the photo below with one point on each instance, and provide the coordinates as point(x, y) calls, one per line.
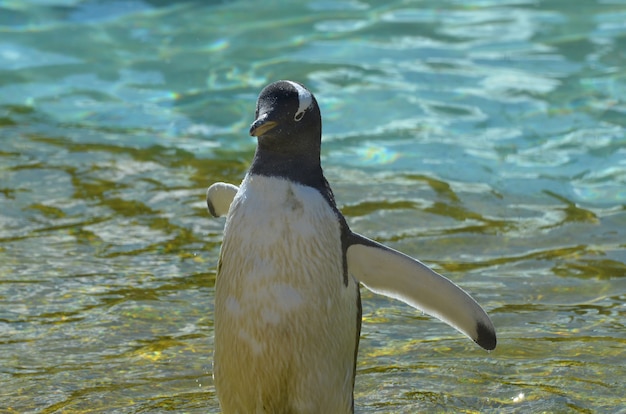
point(285, 322)
point(279, 231)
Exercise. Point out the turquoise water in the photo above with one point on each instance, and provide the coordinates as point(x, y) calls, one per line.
point(486, 138)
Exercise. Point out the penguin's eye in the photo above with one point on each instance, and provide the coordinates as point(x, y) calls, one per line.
point(305, 100)
point(298, 116)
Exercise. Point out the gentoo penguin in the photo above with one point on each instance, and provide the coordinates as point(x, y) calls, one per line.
point(287, 302)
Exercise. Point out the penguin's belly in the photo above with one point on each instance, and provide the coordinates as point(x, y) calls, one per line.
point(285, 321)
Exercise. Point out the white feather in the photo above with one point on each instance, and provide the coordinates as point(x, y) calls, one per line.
point(219, 197)
point(289, 344)
point(305, 99)
point(394, 274)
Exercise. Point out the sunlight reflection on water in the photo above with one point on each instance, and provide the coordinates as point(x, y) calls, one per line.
point(486, 139)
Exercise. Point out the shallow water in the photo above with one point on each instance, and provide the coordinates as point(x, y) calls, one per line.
point(486, 138)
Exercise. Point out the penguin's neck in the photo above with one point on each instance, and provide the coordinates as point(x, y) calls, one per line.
point(303, 169)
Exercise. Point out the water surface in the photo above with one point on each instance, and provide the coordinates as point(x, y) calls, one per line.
point(486, 138)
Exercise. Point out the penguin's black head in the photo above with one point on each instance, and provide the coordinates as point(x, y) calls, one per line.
point(288, 120)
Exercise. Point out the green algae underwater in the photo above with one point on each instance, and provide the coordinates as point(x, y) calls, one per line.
point(485, 138)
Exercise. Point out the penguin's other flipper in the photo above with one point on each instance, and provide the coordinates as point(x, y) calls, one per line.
point(388, 272)
point(218, 198)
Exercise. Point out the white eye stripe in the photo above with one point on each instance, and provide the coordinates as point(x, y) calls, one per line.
point(305, 99)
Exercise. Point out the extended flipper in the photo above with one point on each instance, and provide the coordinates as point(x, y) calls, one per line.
point(394, 274)
point(218, 198)
point(391, 273)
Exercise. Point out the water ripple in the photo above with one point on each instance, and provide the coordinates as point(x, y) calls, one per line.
point(485, 138)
